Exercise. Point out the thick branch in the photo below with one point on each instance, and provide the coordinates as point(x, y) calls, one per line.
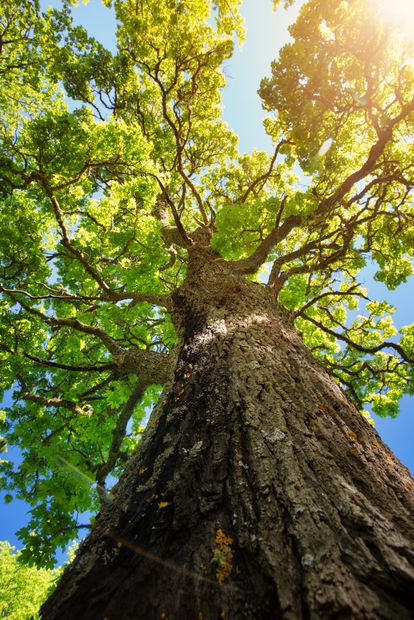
point(291, 256)
point(156, 300)
point(259, 256)
point(52, 402)
point(70, 367)
point(176, 233)
point(170, 234)
point(313, 267)
point(375, 153)
point(151, 366)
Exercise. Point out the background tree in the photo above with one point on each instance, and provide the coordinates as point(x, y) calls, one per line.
point(23, 588)
point(133, 236)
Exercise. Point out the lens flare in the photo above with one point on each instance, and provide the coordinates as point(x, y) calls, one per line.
point(90, 481)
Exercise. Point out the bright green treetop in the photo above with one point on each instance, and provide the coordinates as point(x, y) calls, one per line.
point(101, 200)
point(23, 589)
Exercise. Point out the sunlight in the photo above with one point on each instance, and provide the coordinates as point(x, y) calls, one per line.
point(396, 14)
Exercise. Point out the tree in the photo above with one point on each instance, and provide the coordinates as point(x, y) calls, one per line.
point(134, 243)
point(23, 589)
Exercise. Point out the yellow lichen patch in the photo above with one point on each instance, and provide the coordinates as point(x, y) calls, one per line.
point(223, 540)
point(325, 409)
point(377, 443)
point(179, 394)
point(352, 435)
point(391, 458)
point(142, 470)
point(163, 504)
point(223, 555)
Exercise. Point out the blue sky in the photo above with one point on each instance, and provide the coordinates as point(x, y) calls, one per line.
point(267, 31)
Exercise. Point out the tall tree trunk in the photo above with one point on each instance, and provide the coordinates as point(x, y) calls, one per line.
point(258, 490)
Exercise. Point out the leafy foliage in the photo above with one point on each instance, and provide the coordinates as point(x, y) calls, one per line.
point(23, 588)
point(102, 199)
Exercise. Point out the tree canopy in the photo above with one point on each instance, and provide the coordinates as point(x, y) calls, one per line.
point(113, 164)
point(23, 588)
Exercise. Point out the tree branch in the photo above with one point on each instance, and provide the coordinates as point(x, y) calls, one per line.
point(375, 153)
point(68, 244)
point(349, 293)
point(384, 345)
point(264, 177)
point(137, 297)
point(179, 146)
point(74, 368)
point(174, 234)
point(308, 267)
point(109, 342)
point(53, 402)
point(151, 366)
point(170, 234)
point(252, 263)
point(118, 434)
point(109, 294)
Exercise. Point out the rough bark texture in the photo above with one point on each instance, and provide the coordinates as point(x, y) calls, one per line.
point(258, 491)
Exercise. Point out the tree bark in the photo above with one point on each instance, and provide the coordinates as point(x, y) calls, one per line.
point(258, 491)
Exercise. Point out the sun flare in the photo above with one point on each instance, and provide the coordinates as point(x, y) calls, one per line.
point(397, 14)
